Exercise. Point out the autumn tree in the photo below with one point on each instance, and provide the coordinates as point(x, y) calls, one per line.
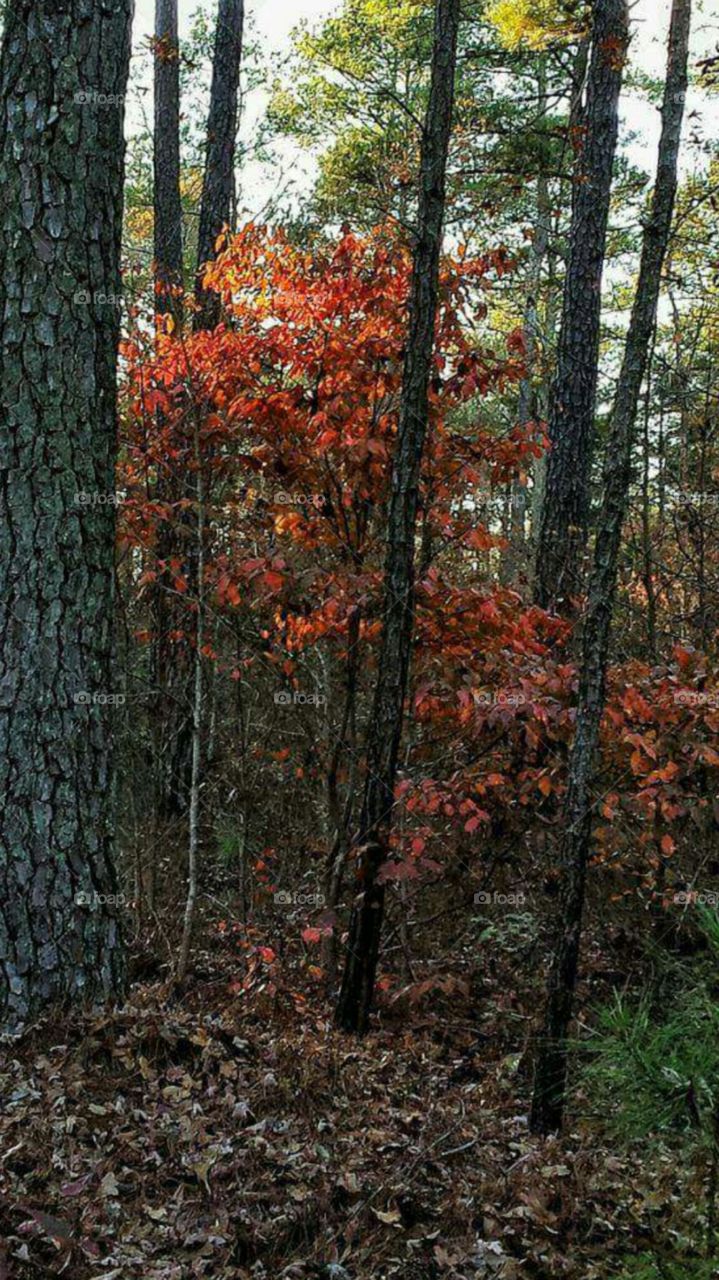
point(551, 1066)
point(63, 73)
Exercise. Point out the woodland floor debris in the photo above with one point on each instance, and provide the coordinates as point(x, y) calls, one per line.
point(200, 1139)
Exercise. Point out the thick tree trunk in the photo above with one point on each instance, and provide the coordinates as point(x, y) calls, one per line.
point(565, 510)
point(218, 183)
point(167, 201)
point(550, 1079)
point(63, 73)
point(386, 719)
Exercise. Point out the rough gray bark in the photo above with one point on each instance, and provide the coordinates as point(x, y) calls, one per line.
point(218, 182)
point(550, 1077)
point(63, 72)
point(385, 727)
point(167, 201)
point(565, 510)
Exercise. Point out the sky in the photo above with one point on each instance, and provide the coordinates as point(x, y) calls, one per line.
point(274, 18)
point(274, 21)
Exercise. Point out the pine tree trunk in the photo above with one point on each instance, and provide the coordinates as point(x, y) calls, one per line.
point(385, 728)
point(550, 1078)
point(63, 73)
point(218, 183)
point(171, 680)
point(565, 510)
point(167, 200)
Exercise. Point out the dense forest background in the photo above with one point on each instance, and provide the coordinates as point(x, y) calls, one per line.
point(359, 586)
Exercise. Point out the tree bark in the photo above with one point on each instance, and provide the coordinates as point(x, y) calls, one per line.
point(63, 73)
point(218, 182)
point(167, 199)
point(385, 727)
point(565, 510)
point(551, 1068)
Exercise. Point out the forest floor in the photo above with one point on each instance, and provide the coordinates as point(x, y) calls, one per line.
point(235, 1135)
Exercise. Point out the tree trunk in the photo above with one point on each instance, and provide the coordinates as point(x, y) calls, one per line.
point(340, 808)
point(565, 510)
point(550, 1079)
point(169, 660)
point(63, 73)
point(167, 201)
point(218, 183)
point(385, 727)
